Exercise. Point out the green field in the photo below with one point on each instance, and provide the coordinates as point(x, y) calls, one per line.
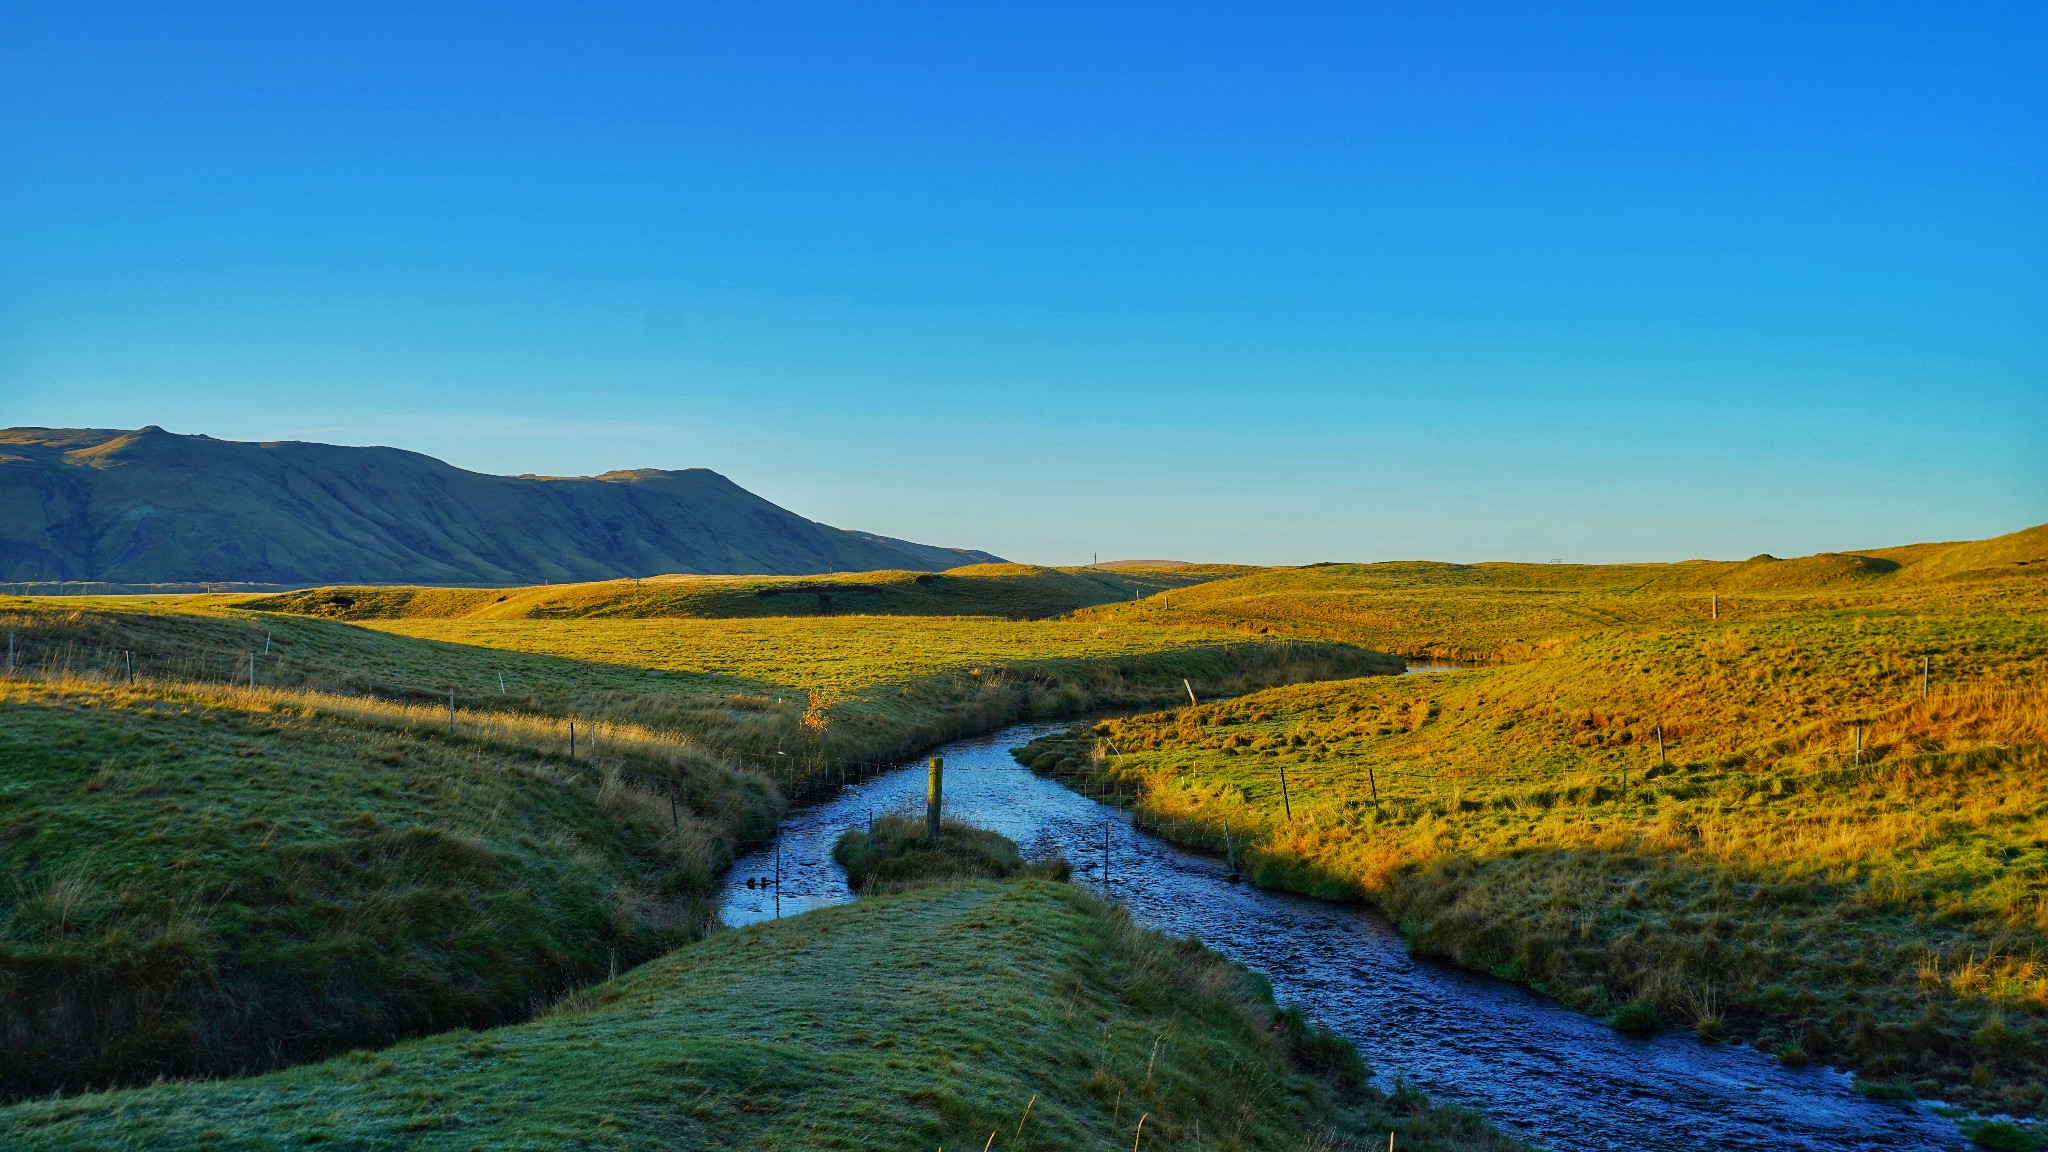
point(210, 877)
point(1027, 1015)
point(818, 691)
point(1760, 877)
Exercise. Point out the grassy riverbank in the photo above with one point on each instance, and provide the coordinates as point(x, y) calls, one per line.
point(1024, 1015)
point(212, 881)
point(1759, 878)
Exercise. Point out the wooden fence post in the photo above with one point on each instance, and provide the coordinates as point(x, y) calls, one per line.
point(1284, 802)
point(934, 796)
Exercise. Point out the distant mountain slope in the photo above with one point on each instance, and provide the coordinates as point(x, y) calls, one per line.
point(150, 506)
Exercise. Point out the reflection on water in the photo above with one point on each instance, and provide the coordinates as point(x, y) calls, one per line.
point(1559, 1079)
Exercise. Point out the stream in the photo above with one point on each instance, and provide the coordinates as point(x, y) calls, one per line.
point(1555, 1077)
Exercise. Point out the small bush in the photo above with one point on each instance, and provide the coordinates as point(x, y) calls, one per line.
point(2002, 1136)
point(898, 856)
point(1638, 1017)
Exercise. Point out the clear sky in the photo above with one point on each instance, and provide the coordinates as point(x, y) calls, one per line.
point(1266, 282)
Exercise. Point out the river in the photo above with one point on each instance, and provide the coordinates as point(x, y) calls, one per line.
point(1557, 1078)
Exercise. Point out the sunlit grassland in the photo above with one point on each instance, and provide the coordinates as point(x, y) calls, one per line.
point(1013, 1015)
point(837, 689)
point(1008, 591)
point(1760, 877)
point(1490, 612)
point(203, 880)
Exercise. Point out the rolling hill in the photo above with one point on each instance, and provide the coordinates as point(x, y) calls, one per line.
point(154, 507)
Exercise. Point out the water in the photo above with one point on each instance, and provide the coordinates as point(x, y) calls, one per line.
point(1557, 1078)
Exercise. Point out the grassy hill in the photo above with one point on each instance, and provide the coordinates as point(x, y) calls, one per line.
point(1759, 877)
point(1489, 612)
point(1024, 1013)
point(151, 507)
point(1011, 591)
point(205, 881)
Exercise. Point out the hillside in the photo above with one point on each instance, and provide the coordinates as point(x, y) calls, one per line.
point(1504, 611)
point(152, 507)
point(1796, 802)
point(218, 881)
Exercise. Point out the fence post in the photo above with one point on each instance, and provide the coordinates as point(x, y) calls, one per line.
point(252, 669)
point(451, 710)
point(934, 796)
point(572, 739)
point(1284, 802)
point(1923, 667)
point(1375, 783)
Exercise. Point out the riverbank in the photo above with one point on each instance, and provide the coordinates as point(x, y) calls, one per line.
point(956, 1016)
point(1882, 916)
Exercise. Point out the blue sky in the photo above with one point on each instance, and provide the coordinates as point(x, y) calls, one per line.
point(1272, 282)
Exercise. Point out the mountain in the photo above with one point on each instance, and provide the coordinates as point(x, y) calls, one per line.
point(150, 506)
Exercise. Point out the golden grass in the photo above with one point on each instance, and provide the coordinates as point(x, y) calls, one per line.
point(1886, 909)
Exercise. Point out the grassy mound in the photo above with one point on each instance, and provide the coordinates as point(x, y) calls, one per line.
point(1663, 816)
point(961, 1016)
point(897, 855)
point(208, 883)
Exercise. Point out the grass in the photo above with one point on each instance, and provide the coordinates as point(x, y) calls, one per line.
point(1498, 612)
point(343, 870)
point(1009, 591)
point(802, 697)
point(1758, 879)
point(1024, 1015)
point(208, 881)
point(896, 854)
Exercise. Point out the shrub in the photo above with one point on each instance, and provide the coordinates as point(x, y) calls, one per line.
point(898, 856)
point(1638, 1017)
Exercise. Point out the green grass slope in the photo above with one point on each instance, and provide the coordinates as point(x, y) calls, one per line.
point(1023, 1015)
point(203, 882)
point(1011, 591)
point(150, 507)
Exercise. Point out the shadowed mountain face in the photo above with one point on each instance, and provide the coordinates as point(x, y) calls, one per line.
point(150, 506)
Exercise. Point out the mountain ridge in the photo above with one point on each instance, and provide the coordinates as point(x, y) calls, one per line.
point(147, 506)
